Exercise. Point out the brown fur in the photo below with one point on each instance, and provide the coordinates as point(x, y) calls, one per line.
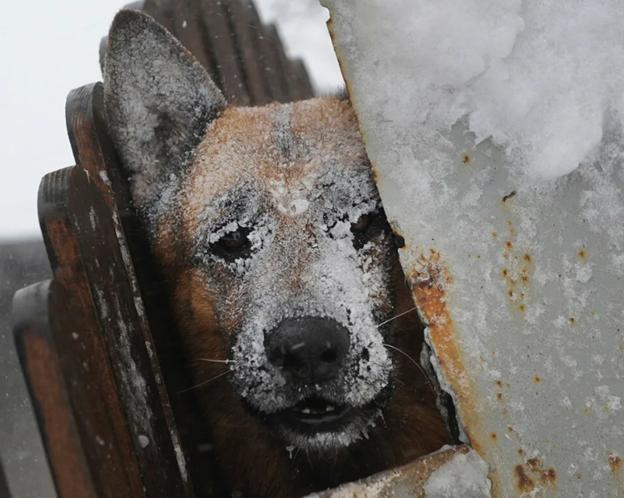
point(251, 457)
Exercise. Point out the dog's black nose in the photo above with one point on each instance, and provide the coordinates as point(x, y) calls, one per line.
point(309, 349)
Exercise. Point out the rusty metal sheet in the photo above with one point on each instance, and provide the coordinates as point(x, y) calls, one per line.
point(450, 472)
point(520, 282)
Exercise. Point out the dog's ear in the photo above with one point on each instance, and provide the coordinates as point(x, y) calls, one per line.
point(159, 101)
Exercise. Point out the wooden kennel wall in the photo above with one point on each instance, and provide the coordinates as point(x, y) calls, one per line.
point(94, 341)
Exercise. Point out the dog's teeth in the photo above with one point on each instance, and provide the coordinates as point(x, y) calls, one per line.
point(306, 411)
point(329, 408)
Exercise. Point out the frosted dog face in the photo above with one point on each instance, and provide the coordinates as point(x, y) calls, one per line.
point(270, 228)
point(288, 232)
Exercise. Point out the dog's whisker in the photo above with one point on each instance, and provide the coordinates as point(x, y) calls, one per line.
point(202, 384)
point(396, 316)
point(210, 360)
point(414, 362)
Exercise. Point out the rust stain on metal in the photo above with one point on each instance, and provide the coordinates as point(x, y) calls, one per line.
point(523, 481)
point(537, 379)
point(532, 473)
point(615, 463)
point(429, 280)
point(466, 159)
point(583, 255)
point(499, 393)
point(517, 272)
point(549, 476)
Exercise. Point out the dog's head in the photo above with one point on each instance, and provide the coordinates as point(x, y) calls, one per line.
point(270, 226)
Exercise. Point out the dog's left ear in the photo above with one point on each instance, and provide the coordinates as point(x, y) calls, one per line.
point(159, 101)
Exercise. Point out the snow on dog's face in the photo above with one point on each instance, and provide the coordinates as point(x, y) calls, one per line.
point(290, 237)
point(270, 229)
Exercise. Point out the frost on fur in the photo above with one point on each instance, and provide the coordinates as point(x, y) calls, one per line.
point(298, 215)
point(293, 185)
point(286, 184)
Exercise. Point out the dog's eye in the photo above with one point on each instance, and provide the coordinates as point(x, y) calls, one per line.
point(233, 245)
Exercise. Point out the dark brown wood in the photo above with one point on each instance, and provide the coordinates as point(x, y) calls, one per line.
point(244, 19)
point(223, 47)
point(190, 30)
point(119, 307)
point(299, 81)
point(49, 392)
point(122, 419)
point(83, 359)
point(270, 61)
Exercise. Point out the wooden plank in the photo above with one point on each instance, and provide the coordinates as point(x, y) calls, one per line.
point(191, 425)
point(221, 41)
point(266, 57)
point(49, 394)
point(270, 58)
point(188, 28)
point(244, 22)
point(119, 308)
point(125, 427)
point(282, 64)
point(83, 357)
point(299, 80)
point(162, 11)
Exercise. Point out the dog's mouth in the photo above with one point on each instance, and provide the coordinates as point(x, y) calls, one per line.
point(314, 415)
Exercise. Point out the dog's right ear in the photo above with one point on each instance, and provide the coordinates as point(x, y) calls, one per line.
point(159, 101)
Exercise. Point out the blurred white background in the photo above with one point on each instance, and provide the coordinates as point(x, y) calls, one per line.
point(48, 48)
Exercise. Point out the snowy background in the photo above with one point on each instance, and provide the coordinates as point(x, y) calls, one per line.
point(47, 49)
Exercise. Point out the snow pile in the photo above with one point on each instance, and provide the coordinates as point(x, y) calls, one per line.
point(525, 319)
point(465, 475)
point(539, 78)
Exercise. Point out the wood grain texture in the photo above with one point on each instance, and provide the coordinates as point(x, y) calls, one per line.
point(49, 392)
point(244, 56)
point(116, 403)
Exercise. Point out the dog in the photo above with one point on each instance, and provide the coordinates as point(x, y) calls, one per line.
point(281, 268)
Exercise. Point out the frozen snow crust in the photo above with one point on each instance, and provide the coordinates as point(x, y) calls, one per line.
point(537, 77)
point(525, 249)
